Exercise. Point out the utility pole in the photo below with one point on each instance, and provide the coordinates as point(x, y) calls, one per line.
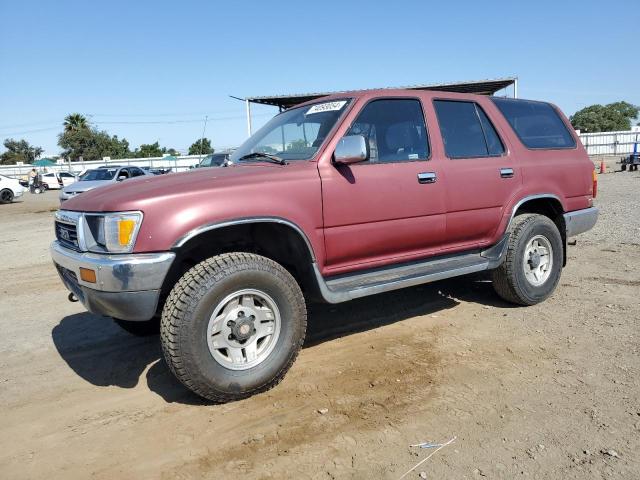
point(202, 138)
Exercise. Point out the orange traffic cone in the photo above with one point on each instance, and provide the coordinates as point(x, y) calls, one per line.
point(603, 167)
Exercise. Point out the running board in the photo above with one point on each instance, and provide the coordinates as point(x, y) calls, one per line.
point(348, 287)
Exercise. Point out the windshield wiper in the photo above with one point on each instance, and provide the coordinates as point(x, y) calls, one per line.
point(266, 156)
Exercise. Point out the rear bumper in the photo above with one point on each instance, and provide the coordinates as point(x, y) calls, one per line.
point(580, 221)
point(126, 287)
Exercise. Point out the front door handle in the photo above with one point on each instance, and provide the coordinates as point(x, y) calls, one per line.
point(506, 172)
point(427, 177)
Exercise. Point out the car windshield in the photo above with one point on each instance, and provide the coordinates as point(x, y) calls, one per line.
point(99, 174)
point(294, 134)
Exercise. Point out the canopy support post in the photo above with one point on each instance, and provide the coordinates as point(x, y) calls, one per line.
point(248, 104)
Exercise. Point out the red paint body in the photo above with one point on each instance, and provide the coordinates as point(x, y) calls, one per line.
point(365, 214)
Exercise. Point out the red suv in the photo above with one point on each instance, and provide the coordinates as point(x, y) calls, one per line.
point(335, 199)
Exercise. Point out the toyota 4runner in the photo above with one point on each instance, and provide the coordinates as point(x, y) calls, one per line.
point(335, 199)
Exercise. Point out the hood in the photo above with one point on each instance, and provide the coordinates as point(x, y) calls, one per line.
point(151, 191)
point(86, 185)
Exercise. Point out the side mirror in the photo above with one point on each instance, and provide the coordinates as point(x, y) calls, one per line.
point(122, 177)
point(351, 149)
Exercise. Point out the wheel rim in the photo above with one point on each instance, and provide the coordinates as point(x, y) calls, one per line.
point(243, 329)
point(538, 260)
point(5, 196)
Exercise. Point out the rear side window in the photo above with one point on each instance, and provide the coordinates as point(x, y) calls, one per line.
point(537, 124)
point(466, 130)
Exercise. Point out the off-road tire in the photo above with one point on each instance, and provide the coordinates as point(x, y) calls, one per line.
point(140, 329)
point(509, 280)
point(6, 196)
point(189, 306)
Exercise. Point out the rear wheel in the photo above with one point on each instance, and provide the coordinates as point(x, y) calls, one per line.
point(533, 262)
point(6, 196)
point(232, 326)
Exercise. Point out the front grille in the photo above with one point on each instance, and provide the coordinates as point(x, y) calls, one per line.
point(67, 235)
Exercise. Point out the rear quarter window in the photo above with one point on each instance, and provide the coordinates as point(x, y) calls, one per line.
point(537, 124)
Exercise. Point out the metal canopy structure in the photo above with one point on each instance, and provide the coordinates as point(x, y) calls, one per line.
point(479, 87)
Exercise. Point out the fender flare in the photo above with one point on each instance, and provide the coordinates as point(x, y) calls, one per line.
point(243, 221)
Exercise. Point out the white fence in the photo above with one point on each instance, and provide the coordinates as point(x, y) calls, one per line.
point(180, 164)
point(610, 143)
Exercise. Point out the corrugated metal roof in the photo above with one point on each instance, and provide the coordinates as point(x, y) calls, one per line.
point(479, 87)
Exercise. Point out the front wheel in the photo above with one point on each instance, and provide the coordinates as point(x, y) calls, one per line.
point(533, 264)
point(6, 196)
point(232, 326)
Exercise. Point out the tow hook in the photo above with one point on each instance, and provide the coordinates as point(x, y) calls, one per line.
point(72, 298)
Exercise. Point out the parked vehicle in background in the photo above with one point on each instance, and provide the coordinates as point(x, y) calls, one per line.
point(57, 180)
point(100, 177)
point(10, 189)
point(156, 171)
point(632, 161)
point(367, 192)
point(67, 178)
point(214, 160)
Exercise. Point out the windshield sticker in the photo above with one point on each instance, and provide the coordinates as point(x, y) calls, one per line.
point(326, 107)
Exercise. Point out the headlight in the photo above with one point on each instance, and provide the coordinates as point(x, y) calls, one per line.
point(112, 232)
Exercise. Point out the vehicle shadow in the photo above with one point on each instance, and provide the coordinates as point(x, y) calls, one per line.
point(97, 350)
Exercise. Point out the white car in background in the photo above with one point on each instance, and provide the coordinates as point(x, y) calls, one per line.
point(10, 189)
point(52, 180)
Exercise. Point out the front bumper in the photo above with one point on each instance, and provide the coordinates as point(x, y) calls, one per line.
point(580, 221)
point(126, 287)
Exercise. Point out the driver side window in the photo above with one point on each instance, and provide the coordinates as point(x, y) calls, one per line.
point(394, 129)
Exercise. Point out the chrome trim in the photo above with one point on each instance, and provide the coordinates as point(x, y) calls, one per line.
point(427, 177)
point(580, 221)
point(506, 172)
point(214, 226)
point(350, 149)
point(116, 272)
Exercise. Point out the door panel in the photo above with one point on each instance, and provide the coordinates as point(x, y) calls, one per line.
point(475, 197)
point(373, 212)
point(481, 174)
point(391, 206)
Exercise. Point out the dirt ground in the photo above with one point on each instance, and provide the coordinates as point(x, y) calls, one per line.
point(550, 391)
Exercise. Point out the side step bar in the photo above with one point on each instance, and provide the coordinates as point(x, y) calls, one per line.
point(343, 288)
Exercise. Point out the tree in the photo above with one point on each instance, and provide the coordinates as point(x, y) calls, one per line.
point(605, 118)
point(91, 144)
point(201, 147)
point(171, 151)
point(149, 150)
point(75, 122)
point(297, 145)
point(19, 151)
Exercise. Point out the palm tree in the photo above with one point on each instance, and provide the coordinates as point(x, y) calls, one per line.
point(75, 122)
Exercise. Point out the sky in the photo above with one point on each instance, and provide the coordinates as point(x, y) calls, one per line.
point(152, 70)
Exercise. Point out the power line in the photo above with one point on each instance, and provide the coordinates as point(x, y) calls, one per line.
point(125, 122)
point(28, 131)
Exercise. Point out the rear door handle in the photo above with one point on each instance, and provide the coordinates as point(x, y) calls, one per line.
point(427, 177)
point(506, 172)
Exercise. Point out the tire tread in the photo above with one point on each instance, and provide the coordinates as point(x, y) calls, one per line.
point(182, 300)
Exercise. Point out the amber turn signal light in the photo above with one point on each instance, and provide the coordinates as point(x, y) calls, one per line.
point(88, 275)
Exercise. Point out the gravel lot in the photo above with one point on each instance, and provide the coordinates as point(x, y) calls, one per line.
point(549, 391)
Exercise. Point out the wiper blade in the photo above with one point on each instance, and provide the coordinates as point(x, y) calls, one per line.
point(266, 156)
